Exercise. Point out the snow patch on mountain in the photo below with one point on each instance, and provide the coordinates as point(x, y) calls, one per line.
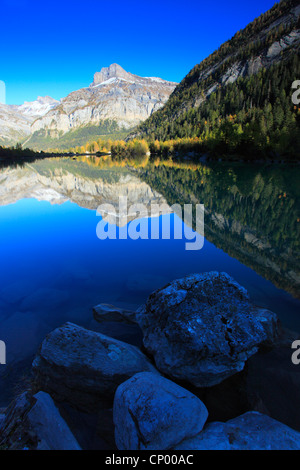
point(115, 95)
point(40, 107)
point(16, 120)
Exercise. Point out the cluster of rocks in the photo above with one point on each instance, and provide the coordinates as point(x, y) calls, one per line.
point(90, 390)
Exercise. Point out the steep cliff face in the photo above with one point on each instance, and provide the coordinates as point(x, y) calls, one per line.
point(265, 52)
point(116, 100)
point(270, 40)
point(114, 95)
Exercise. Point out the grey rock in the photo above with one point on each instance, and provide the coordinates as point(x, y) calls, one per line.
point(107, 73)
point(151, 412)
point(271, 325)
point(114, 94)
point(12, 433)
point(34, 422)
point(129, 333)
point(263, 58)
point(277, 47)
point(51, 430)
point(203, 328)
point(110, 313)
point(15, 121)
point(251, 431)
point(84, 368)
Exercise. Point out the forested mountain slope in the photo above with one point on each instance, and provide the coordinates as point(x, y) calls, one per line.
point(240, 97)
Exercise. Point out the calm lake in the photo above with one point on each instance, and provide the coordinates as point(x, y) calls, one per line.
point(54, 268)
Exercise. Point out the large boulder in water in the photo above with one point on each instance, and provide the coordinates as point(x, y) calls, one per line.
point(203, 328)
point(110, 313)
point(84, 368)
point(251, 431)
point(151, 412)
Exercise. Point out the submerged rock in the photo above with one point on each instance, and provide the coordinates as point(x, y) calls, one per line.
point(251, 431)
point(18, 344)
point(151, 412)
point(50, 298)
point(144, 283)
point(110, 313)
point(34, 423)
point(17, 291)
point(271, 325)
point(203, 328)
point(12, 432)
point(84, 368)
point(130, 333)
point(273, 382)
point(51, 430)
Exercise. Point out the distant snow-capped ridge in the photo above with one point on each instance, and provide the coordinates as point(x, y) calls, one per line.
point(39, 107)
point(16, 120)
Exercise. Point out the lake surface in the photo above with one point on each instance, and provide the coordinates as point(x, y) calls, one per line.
point(54, 268)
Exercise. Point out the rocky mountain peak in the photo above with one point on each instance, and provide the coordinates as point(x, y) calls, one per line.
point(113, 71)
point(115, 95)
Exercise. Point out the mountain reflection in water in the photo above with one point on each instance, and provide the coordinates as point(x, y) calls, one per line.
point(55, 269)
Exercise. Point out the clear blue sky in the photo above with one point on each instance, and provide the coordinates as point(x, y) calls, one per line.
point(53, 48)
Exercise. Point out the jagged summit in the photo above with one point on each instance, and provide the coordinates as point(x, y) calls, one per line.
point(116, 98)
point(113, 71)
